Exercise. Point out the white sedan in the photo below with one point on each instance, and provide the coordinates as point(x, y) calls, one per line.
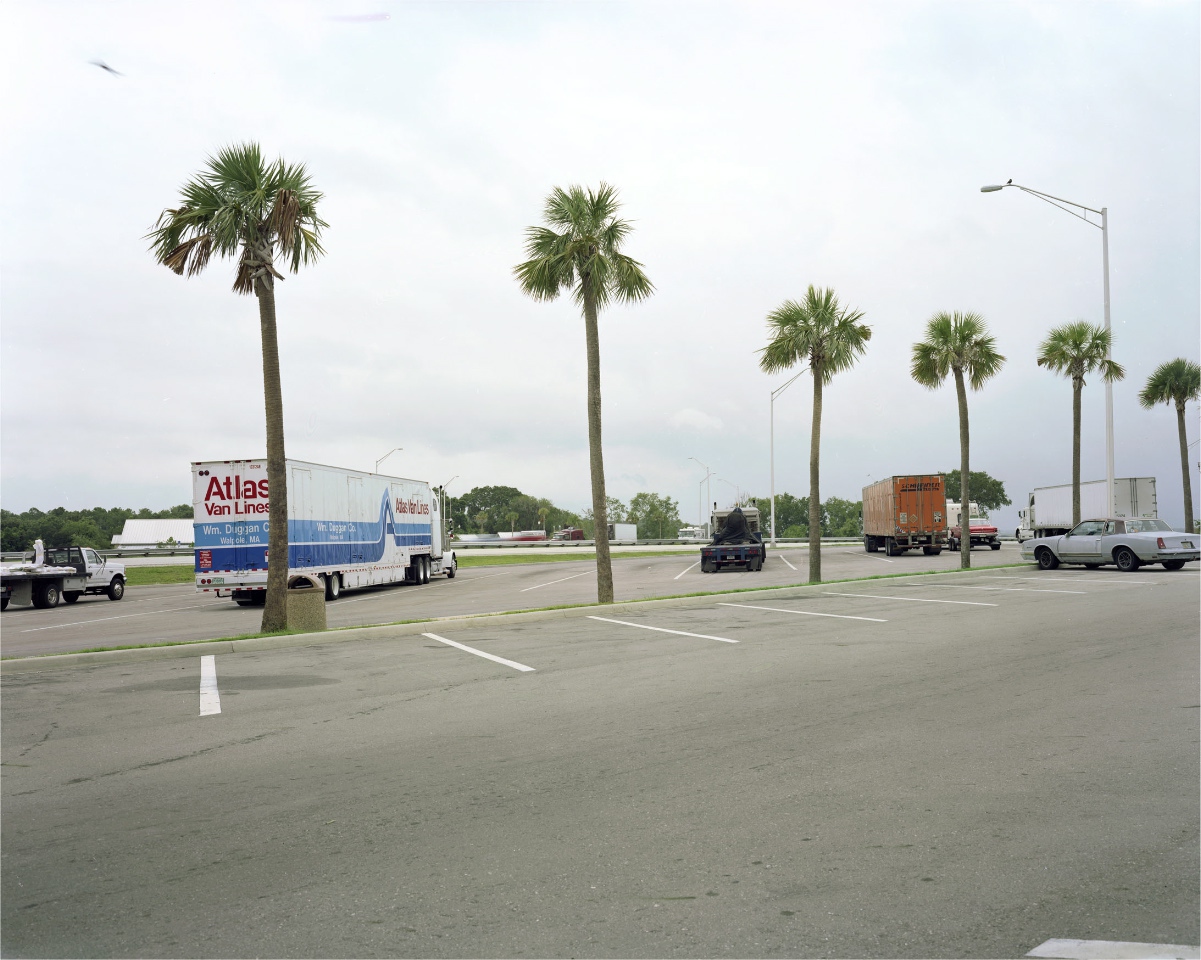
point(1127, 542)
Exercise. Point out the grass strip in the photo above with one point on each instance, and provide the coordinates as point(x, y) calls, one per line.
point(146, 576)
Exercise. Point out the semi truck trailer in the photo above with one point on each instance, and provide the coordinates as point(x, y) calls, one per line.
point(346, 528)
point(1048, 510)
point(905, 513)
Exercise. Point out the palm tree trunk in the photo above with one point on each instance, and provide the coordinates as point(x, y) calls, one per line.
point(1188, 482)
point(1077, 389)
point(600, 515)
point(815, 505)
point(965, 513)
point(275, 613)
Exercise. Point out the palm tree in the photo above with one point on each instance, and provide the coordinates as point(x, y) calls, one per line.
point(241, 206)
point(959, 344)
point(1074, 349)
point(1177, 381)
point(586, 258)
point(830, 338)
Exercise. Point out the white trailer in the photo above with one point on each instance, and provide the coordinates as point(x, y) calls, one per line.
point(1049, 509)
point(347, 528)
point(623, 531)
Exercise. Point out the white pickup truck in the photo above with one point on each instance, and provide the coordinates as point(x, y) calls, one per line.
point(65, 573)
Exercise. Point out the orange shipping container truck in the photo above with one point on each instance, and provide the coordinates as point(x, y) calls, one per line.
point(904, 513)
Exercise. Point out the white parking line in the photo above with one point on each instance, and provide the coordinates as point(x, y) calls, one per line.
point(1112, 950)
point(885, 559)
point(682, 633)
point(964, 586)
point(684, 571)
point(480, 653)
point(1077, 580)
point(210, 699)
point(872, 596)
point(785, 559)
point(803, 613)
point(124, 616)
point(560, 580)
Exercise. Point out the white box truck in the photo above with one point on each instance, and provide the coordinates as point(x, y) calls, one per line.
point(623, 531)
point(346, 528)
point(1049, 510)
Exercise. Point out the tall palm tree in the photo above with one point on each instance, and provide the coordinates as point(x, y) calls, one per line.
point(241, 206)
point(830, 338)
point(958, 344)
point(1074, 349)
point(1177, 381)
point(580, 250)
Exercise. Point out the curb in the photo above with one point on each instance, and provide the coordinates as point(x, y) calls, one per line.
point(387, 631)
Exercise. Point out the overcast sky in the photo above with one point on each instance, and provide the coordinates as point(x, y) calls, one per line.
point(758, 148)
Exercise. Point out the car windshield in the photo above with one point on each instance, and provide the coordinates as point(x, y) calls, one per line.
point(1146, 526)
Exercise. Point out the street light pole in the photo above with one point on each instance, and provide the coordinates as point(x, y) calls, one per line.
point(708, 490)
point(1103, 226)
point(775, 393)
point(386, 456)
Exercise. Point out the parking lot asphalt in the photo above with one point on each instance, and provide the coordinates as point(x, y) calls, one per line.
point(177, 613)
point(934, 766)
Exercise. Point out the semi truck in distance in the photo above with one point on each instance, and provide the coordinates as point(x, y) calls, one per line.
point(738, 541)
point(1048, 510)
point(346, 528)
point(905, 513)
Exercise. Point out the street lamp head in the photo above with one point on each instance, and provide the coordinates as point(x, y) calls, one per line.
point(992, 188)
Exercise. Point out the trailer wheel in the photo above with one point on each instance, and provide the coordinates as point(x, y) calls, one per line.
point(116, 589)
point(891, 548)
point(45, 595)
point(333, 585)
point(425, 569)
point(70, 596)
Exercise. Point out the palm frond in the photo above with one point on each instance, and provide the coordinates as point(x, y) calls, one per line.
point(1175, 382)
point(956, 341)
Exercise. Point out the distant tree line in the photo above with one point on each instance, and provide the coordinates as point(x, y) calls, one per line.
point(493, 509)
point(839, 518)
point(87, 528)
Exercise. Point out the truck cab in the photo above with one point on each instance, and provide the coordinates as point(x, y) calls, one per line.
point(103, 576)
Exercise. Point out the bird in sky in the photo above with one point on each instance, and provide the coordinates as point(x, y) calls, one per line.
point(1009, 181)
point(104, 66)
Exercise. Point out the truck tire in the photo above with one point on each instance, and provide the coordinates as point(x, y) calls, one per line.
point(45, 595)
point(3, 603)
point(891, 549)
point(867, 544)
point(931, 551)
point(70, 596)
point(333, 585)
point(425, 569)
point(116, 589)
point(1046, 559)
point(452, 570)
point(1126, 560)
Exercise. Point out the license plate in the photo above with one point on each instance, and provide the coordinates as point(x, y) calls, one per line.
point(218, 579)
point(1187, 543)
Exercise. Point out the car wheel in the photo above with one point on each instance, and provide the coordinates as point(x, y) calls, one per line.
point(1173, 564)
point(116, 589)
point(1126, 560)
point(70, 596)
point(995, 546)
point(333, 586)
point(1046, 559)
